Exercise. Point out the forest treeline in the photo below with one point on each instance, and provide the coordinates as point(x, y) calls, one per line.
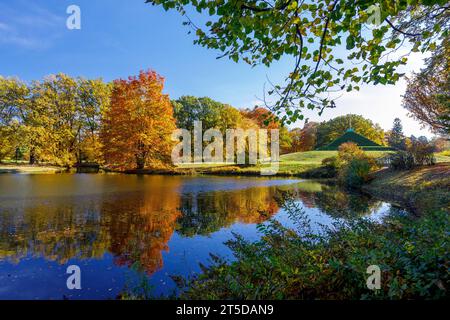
point(127, 123)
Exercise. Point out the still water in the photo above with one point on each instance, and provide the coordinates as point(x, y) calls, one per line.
point(123, 229)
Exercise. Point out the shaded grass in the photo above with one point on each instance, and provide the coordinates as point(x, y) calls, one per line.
point(421, 189)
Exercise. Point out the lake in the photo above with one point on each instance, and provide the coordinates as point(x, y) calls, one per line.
point(122, 230)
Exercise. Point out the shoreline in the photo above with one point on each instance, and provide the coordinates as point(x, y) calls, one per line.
point(310, 173)
point(422, 190)
point(10, 168)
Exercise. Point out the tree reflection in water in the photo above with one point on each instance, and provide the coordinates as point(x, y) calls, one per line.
point(136, 226)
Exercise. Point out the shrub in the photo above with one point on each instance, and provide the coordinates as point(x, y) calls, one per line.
point(355, 173)
point(423, 153)
point(348, 151)
point(417, 154)
point(401, 160)
point(412, 254)
point(354, 165)
point(330, 162)
point(329, 167)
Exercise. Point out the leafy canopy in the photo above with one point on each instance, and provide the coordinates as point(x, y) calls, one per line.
point(427, 96)
point(55, 119)
point(337, 45)
point(330, 130)
point(136, 129)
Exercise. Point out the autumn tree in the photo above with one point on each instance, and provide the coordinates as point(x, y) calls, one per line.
point(13, 97)
point(136, 130)
point(62, 118)
point(55, 120)
point(212, 114)
point(266, 119)
point(440, 144)
point(427, 96)
point(313, 33)
point(296, 140)
point(93, 99)
point(304, 139)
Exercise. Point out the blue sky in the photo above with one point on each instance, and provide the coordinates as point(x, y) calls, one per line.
point(118, 38)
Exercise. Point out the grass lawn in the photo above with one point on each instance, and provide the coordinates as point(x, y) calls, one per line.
point(28, 169)
point(302, 161)
point(423, 189)
point(442, 157)
point(290, 164)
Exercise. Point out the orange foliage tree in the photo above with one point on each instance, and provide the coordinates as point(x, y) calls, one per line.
point(137, 128)
point(266, 119)
point(263, 117)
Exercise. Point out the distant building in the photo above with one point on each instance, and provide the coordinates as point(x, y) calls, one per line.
point(351, 136)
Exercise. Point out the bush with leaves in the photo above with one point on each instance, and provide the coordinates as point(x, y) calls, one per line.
point(354, 165)
point(412, 253)
point(423, 153)
point(401, 160)
point(330, 165)
point(349, 151)
point(419, 153)
point(355, 173)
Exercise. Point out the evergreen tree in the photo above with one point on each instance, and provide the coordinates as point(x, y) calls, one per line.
point(396, 138)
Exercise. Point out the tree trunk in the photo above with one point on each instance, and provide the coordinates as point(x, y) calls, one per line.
point(140, 163)
point(32, 156)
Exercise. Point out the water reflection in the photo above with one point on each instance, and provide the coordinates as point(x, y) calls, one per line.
point(133, 219)
point(205, 213)
point(134, 224)
point(338, 203)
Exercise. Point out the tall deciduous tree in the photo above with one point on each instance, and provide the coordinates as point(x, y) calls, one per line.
point(211, 113)
point(266, 119)
point(304, 139)
point(13, 98)
point(93, 100)
point(427, 96)
point(54, 120)
point(188, 109)
point(137, 128)
point(62, 118)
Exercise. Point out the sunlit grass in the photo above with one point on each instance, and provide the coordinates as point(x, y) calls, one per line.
point(29, 169)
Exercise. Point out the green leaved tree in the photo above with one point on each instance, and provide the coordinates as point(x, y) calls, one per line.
point(335, 45)
point(396, 137)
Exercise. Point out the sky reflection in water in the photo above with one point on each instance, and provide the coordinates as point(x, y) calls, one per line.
point(112, 225)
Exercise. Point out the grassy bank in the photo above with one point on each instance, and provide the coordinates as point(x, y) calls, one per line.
point(302, 164)
point(293, 164)
point(29, 169)
point(422, 189)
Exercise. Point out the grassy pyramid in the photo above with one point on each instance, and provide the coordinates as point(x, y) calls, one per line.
point(351, 136)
